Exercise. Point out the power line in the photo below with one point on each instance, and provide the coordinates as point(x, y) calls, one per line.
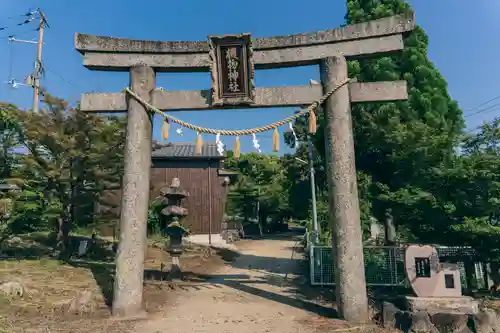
point(483, 104)
point(30, 17)
point(19, 34)
point(491, 122)
point(29, 13)
point(488, 109)
point(63, 78)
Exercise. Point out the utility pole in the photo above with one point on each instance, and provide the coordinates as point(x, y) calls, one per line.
point(38, 63)
point(258, 213)
point(313, 186)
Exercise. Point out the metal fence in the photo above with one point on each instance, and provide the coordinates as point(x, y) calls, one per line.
point(384, 265)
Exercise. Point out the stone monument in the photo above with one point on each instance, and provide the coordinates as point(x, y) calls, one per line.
point(437, 286)
point(174, 213)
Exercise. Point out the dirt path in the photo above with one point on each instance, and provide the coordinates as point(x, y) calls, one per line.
point(254, 293)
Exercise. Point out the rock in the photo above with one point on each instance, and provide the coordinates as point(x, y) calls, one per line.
point(486, 321)
point(421, 323)
point(451, 305)
point(389, 314)
point(82, 303)
point(12, 288)
point(451, 323)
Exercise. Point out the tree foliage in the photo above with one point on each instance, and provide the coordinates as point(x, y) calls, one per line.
point(69, 159)
point(259, 190)
point(460, 201)
point(397, 143)
point(10, 131)
point(406, 152)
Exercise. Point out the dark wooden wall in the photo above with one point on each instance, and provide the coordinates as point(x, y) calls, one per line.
point(194, 178)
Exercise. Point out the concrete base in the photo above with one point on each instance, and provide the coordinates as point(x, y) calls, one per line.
point(216, 241)
point(449, 305)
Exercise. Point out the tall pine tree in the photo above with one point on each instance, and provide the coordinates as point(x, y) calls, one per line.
point(397, 143)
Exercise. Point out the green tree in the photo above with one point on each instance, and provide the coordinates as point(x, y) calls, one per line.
point(9, 140)
point(396, 143)
point(460, 203)
point(260, 185)
point(72, 157)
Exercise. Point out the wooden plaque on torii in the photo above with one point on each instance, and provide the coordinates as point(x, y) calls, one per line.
point(232, 70)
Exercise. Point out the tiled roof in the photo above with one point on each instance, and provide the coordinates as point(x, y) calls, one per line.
point(185, 150)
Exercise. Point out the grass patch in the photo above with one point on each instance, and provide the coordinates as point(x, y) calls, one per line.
point(49, 282)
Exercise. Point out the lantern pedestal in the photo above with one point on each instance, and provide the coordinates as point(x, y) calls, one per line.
point(175, 270)
point(175, 232)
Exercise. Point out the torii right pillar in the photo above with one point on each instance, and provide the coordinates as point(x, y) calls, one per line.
point(350, 281)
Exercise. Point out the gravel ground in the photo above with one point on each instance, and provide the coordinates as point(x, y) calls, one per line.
point(254, 293)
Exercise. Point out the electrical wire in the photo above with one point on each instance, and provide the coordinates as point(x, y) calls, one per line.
point(491, 122)
point(30, 17)
point(18, 34)
point(27, 14)
point(491, 108)
point(63, 78)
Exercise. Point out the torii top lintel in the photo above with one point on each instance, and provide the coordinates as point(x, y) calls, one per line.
point(377, 36)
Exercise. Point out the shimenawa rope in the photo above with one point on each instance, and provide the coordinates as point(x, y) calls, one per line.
point(249, 131)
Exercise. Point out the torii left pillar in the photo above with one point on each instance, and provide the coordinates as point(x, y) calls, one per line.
point(129, 276)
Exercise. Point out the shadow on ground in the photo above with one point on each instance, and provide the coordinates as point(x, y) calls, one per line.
point(295, 265)
point(103, 273)
point(296, 290)
point(247, 284)
point(35, 246)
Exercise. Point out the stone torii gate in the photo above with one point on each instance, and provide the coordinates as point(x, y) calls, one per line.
point(328, 48)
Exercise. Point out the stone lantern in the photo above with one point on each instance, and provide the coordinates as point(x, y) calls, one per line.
point(174, 213)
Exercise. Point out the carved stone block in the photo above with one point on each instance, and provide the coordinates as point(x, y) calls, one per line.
point(486, 321)
point(421, 323)
point(450, 305)
point(427, 276)
point(451, 323)
point(232, 70)
point(390, 314)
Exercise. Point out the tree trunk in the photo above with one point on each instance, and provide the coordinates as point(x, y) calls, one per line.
point(470, 275)
point(263, 222)
point(389, 228)
point(63, 230)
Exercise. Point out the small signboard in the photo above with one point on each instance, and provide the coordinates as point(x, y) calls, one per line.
point(232, 70)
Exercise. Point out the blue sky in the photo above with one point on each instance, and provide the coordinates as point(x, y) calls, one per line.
point(463, 46)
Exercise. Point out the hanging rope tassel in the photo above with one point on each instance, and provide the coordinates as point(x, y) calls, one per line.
point(238, 132)
point(199, 144)
point(312, 122)
point(276, 141)
point(237, 148)
point(164, 130)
